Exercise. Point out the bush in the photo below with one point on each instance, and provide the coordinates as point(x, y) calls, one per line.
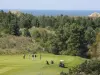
point(25, 32)
point(62, 73)
point(87, 68)
point(69, 52)
point(34, 32)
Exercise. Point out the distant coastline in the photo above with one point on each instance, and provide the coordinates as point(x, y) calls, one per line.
point(57, 12)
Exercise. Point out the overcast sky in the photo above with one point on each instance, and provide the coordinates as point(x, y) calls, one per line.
point(51, 4)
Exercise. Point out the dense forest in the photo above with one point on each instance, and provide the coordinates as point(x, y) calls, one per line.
point(60, 34)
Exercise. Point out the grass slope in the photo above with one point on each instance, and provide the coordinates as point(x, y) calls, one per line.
point(16, 65)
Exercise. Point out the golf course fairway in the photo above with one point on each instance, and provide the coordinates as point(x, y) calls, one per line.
point(16, 65)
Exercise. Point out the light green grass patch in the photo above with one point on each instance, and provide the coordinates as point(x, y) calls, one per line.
point(16, 65)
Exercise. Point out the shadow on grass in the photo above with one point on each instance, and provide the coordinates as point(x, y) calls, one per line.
point(65, 67)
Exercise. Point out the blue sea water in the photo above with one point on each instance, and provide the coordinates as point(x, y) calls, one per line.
point(59, 12)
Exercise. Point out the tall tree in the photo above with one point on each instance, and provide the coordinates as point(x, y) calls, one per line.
point(14, 28)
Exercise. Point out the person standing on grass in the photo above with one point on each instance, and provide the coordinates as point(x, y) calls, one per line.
point(32, 56)
point(47, 62)
point(29, 56)
point(24, 56)
point(52, 62)
point(35, 56)
point(40, 56)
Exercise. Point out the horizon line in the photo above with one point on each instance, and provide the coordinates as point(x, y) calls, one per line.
point(54, 9)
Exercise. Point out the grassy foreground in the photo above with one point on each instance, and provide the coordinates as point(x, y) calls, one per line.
point(16, 65)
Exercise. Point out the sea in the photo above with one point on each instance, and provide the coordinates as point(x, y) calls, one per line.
point(57, 12)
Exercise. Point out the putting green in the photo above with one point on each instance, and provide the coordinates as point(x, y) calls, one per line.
point(16, 65)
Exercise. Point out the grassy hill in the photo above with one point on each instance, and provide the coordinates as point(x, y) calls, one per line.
point(13, 44)
point(10, 44)
point(16, 65)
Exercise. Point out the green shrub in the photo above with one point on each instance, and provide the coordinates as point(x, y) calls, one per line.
point(25, 32)
point(91, 67)
point(69, 52)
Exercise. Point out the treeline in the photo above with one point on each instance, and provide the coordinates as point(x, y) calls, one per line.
point(72, 35)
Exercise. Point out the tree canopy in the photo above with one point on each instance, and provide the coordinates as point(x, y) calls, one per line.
point(60, 34)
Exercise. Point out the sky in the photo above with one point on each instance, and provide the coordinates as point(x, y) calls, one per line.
point(51, 4)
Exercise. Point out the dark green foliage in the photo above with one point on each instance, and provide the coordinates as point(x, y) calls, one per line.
point(26, 32)
point(62, 73)
point(91, 67)
point(14, 28)
point(90, 35)
point(25, 21)
point(72, 35)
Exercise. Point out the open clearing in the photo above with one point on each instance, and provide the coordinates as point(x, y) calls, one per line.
point(16, 65)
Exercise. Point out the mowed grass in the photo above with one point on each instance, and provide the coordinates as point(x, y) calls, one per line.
point(16, 65)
